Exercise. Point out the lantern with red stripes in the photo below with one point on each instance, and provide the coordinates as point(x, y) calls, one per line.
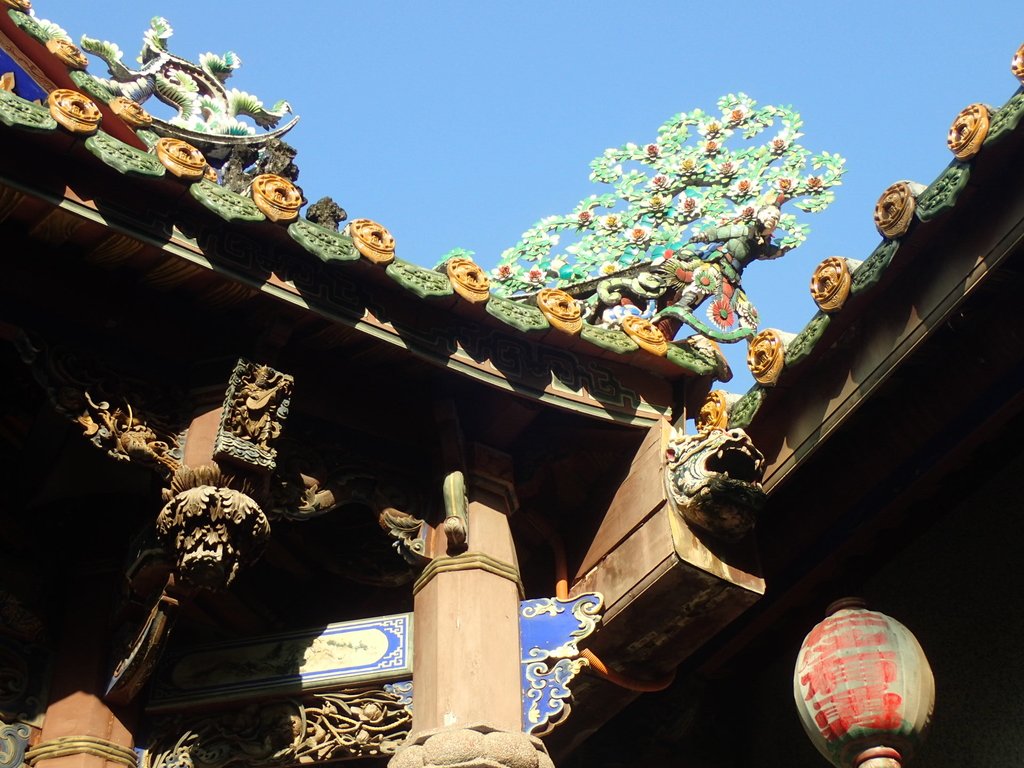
point(863, 688)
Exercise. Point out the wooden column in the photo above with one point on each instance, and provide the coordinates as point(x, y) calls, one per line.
point(466, 628)
point(77, 719)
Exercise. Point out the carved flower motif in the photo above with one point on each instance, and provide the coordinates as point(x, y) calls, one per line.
point(742, 188)
point(611, 222)
point(711, 147)
point(645, 334)
point(73, 110)
point(535, 275)
point(660, 181)
point(561, 310)
point(652, 151)
point(690, 205)
point(815, 183)
point(639, 236)
point(372, 240)
point(688, 165)
point(968, 131)
point(766, 356)
point(276, 197)
point(67, 52)
point(895, 210)
point(468, 280)
point(738, 115)
point(714, 414)
point(709, 129)
point(780, 143)
point(830, 284)
point(181, 158)
point(583, 218)
point(504, 272)
point(131, 112)
point(608, 268)
point(1017, 65)
point(721, 313)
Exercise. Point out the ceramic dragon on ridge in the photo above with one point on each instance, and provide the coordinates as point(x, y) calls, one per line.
point(208, 112)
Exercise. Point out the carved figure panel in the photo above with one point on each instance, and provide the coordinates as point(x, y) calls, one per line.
point(255, 407)
point(114, 411)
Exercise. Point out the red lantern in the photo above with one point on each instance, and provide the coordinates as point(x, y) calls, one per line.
point(863, 688)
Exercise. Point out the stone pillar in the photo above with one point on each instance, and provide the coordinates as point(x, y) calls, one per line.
point(468, 702)
point(80, 730)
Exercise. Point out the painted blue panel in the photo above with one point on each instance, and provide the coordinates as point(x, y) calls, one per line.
point(24, 85)
point(368, 650)
point(549, 630)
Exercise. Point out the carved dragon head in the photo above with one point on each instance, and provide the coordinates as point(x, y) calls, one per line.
point(713, 480)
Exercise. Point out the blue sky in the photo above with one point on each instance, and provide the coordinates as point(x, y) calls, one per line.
point(459, 124)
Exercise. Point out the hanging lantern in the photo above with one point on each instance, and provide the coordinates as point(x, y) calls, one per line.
point(863, 688)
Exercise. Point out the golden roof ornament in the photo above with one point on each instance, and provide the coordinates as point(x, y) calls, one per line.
point(67, 52)
point(714, 413)
point(131, 112)
point(968, 131)
point(645, 334)
point(181, 158)
point(894, 210)
point(766, 355)
point(468, 279)
point(19, 5)
point(276, 197)
point(372, 240)
point(831, 282)
point(75, 111)
point(561, 310)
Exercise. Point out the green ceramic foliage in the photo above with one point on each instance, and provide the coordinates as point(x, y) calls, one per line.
point(941, 194)
point(16, 112)
point(91, 87)
point(702, 169)
point(744, 410)
point(30, 26)
point(1006, 118)
point(606, 338)
point(870, 271)
point(225, 203)
point(520, 316)
point(149, 138)
point(323, 243)
point(691, 359)
point(425, 283)
point(124, 158)
point(805, 341)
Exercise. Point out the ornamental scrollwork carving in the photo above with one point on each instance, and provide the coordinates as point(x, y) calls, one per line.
point(831, 283)
point(276, 197)
point(766, 356)
point(372, 240)
point(308, 486)
point(367, 722)
point(212, 528)
point(13, 744)
point(255, 408)
point(894, 211)
point(713, 481)
point(113, 411)
point(561, 310)
point(74, 111)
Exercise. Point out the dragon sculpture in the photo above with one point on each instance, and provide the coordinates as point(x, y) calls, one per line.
point(207, 112)
point(713, 480)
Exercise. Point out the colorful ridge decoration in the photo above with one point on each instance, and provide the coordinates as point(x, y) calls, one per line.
point(703, 180)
